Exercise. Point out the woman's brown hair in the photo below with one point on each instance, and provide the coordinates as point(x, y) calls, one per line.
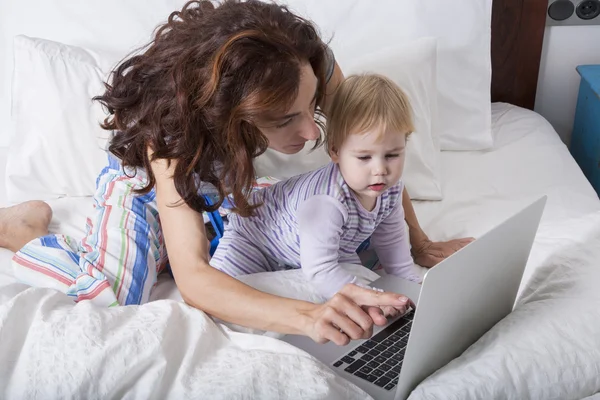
point(195, 94)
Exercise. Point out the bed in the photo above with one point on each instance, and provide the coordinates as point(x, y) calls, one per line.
point(548, 348)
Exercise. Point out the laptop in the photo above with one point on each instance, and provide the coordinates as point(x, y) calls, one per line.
point(459, 300)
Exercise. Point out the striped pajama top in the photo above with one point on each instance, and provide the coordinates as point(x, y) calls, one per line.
point(315, 221)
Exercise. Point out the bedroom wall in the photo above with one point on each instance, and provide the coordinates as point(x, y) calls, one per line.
point(565, 47)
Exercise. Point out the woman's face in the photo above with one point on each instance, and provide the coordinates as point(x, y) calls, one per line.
point(289, 132)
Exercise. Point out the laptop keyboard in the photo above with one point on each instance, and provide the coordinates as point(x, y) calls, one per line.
point(379, 359)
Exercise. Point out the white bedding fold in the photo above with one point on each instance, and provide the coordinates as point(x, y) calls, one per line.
point(549, 347)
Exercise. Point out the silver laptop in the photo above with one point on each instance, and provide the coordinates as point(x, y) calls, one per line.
point(460, 299)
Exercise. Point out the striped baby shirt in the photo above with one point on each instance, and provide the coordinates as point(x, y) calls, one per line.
point(315, 222)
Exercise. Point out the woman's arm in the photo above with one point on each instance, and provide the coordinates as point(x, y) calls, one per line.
point(226, 298)
point(206, 288)
point(416, 234)
point(425, 252)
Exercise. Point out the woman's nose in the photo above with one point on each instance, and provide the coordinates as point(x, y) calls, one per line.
point(310, 130)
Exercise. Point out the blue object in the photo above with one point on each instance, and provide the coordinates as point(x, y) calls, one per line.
point(217, 223)
point(364, 245)
point(585, 141)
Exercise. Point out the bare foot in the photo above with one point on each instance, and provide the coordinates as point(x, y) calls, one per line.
point(22, 223)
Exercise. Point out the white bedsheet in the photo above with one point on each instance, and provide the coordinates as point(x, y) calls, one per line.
point(484, 188)
point(166, 349)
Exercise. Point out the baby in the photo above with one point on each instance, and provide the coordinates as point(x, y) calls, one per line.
point(318, 220)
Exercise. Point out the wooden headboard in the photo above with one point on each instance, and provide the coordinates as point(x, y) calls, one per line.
point(517, 36)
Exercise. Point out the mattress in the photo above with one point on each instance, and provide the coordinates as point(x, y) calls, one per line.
point(481, 188)
point(167, 349)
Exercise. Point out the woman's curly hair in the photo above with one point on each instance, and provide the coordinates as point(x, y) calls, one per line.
point(196, 92)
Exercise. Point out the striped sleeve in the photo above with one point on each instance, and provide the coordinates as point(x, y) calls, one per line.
point(320, 222)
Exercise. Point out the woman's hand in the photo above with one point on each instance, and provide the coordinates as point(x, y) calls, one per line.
point(351, 313)
point(427, 253)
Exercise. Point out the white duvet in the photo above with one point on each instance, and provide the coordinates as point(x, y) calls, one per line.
point(51, 349)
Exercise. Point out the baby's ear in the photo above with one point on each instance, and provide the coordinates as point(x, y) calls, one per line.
point(333, 153)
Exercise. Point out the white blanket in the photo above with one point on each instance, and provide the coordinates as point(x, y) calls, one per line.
point(51, 349)
point(549, 347)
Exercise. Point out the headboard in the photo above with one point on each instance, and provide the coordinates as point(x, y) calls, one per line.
point(517, 36)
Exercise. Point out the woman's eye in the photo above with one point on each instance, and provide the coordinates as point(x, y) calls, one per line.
point(393, 155)
point(283, 125)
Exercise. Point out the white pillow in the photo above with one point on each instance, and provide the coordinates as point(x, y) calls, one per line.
point(52, 89)
point(58, 148)
point(360, 26)
point(112, 28)
point(413, 67)
point(462, 27)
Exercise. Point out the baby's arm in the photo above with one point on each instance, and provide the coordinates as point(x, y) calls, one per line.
point(320, 222)
point(390, 242)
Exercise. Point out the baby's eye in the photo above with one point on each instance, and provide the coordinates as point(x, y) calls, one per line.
point(393, 155)
point(364, 158)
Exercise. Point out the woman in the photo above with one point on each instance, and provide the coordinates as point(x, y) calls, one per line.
point(213, 89)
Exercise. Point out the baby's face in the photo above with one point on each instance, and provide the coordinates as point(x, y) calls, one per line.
point(371, 162)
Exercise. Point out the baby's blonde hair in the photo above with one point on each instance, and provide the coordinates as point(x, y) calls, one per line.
point(365, 102)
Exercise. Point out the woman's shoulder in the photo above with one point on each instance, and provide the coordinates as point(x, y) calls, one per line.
point(285, 166)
